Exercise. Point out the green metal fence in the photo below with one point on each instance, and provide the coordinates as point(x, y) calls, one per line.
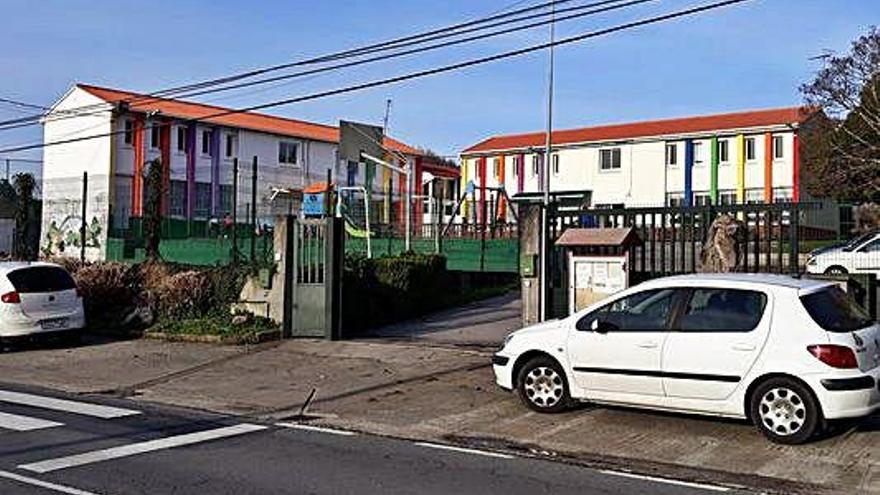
point(463, 254)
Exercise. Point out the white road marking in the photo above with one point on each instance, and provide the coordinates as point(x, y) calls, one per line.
point(139, 448)
point(464, 450)
point(24, 423)
point(668, 481)
point(320, 429)
point(44, 484)
point(94, 410)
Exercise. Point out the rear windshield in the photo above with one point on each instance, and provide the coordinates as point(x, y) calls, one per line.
point(40, 279)
point(835, 311)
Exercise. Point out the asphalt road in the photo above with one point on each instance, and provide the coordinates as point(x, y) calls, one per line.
point(121, 447)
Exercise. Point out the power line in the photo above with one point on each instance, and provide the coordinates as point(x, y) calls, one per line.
point(333, 56)
point(419, 74)
point(22, 104)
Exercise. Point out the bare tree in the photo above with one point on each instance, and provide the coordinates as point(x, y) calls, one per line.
point(24, 184)
point(842, 150)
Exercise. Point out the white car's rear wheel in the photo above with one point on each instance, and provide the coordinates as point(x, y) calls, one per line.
point(542, 385)
point(785, 411)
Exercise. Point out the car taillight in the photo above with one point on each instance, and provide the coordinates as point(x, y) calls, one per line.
point(11, 298)
point(836, 356)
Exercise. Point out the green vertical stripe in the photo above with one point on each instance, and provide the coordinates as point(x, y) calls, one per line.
point(713, 179)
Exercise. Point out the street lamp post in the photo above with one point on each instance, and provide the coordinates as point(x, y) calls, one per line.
point(545, 211)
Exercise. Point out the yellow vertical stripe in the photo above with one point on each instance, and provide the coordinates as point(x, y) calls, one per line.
point(464, 182)
point(740, 168)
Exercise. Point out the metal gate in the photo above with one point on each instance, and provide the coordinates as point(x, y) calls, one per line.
point(313, 264)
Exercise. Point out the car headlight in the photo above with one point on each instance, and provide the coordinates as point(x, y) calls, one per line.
point(811, 261)
point(507, 339)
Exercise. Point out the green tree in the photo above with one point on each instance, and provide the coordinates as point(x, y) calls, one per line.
point(155, 188)
point(24, 184)
point(841, 148)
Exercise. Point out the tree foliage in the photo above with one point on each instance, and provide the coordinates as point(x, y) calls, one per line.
point(155, 186)
point(841, 149)
point(24, 184)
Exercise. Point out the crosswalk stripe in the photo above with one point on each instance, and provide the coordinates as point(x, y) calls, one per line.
point(94, 410)
point(139, 448)
point(44, 484)
point(24, 423)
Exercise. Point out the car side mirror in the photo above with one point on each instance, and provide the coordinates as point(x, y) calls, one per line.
point(601, 326)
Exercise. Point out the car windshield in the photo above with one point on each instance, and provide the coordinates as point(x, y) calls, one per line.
point(38, 279)
point(853, 243)
point(835, 311)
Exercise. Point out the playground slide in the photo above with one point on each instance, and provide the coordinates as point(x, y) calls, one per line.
point(352, 229)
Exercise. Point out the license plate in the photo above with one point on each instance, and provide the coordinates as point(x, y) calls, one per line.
point(54, 323)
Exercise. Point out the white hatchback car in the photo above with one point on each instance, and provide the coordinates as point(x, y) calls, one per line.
point(38, 298)
point(786, 353)
point(858, 255)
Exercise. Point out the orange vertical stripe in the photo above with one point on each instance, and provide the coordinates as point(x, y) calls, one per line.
point(768, 168)
point(502, 204)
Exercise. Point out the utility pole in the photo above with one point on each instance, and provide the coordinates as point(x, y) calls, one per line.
point(407, 240)
point(7, 169)
point(253, 211)
point(387, 115)
point(545, 230)
point(234, 234)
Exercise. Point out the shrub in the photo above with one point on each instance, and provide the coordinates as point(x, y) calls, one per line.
point(109, 290)
point(187, 294)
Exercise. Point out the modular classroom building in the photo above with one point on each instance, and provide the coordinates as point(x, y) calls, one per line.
point(733, 158)
point(197, 145)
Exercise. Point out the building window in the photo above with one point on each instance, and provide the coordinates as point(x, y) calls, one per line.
point(750, 149)
point(226, 199)
point(129, 132)
point(181, 139)
point(155, 135)
point(230, 145)
point(698, 153)
point(701, 199)
point(535, 165)
point(754, 196)
point(727, 197)
point(206, 143)
point(496, 167)
point(724, 151)
point(177, 192)
point(516, 166)
point(778, 150)
point(783, 195)
point(671, 155)
point(674, 199)
point(287, 152)
point(555, 164)
point(609, 159)
point(203, 200)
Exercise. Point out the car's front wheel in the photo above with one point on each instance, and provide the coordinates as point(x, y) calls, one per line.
point(785, 411)
point(541, 384)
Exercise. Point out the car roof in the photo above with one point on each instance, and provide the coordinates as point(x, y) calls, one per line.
point(786, 281)
point(8, 266)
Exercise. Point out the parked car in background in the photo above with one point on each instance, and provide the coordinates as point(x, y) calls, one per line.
point(38, 299)
point(859, 255)
point(786, 353)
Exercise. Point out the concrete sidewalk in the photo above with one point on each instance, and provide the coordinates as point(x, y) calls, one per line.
point(442, 393)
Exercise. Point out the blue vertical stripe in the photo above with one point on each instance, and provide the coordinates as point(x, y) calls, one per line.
point(689, 172)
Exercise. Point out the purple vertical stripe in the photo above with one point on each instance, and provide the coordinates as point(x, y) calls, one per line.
point(520, 172)
point(191, 151)
point(215, 170)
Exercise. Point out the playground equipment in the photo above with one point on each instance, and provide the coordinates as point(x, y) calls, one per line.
point(350, 227)
point(470, 190)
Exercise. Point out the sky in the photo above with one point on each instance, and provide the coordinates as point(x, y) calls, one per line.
point(747, 56)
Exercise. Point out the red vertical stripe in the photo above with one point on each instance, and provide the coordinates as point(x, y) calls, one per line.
point(796, 166)
point(482, 171)
point(137, 182)
point(165, 150)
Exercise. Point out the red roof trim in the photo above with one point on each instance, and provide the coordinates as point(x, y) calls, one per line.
point(685, 125)
point(246, 120)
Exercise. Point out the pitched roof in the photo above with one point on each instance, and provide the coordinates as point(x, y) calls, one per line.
point(245, 120)
point(598, 237)
point(685, 125)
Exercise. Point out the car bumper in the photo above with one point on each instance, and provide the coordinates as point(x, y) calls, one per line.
point(29, 327)
point(503, 367)
point(849, 397)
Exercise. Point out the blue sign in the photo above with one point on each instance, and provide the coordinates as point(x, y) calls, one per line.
point(313, 204)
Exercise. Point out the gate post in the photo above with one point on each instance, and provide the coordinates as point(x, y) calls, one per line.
point(529, 269)
point(334, 255)
point(288, 271)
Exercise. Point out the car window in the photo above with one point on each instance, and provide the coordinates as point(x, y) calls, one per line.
point(855, 242)
point(40, 279)
point(644, 311)
point(722, 310)
point(873, 247)
point(835, 311)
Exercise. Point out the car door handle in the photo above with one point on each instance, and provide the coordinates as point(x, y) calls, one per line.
point(648, 344)
point(743, 346)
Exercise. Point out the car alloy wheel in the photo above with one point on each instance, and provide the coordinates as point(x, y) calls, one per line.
point(783, 411)
point(542, 385)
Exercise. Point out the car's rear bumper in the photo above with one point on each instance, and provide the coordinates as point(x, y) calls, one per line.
point(848, 396)
point(30, 327)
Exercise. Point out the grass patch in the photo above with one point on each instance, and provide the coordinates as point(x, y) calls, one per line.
point(222, 326)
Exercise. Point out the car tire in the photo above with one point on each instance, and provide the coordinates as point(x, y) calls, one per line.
point(785, 411)
point(836, 270)
point(542, 386)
